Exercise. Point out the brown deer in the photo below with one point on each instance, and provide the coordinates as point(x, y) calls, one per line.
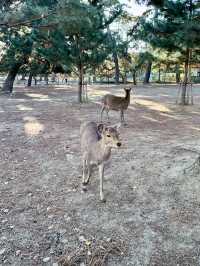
point(112, 102)
point(96, 144)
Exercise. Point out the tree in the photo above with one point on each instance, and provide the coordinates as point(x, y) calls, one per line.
point(84, 31)
point(16, 37)
point(173, 26)
point(147, 59)
point(70, 33)
point(19, 49)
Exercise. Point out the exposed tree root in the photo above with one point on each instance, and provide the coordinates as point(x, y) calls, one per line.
point(194, 167)
point(94, 254)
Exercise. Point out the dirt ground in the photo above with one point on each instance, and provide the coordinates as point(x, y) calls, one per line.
point(152, 204)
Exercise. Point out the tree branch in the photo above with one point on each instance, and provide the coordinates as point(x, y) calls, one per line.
point(27, 22)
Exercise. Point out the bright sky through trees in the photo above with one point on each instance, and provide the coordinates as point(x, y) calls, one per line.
point(133, 7)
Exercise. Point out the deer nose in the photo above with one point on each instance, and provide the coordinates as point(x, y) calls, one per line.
point(119, 144)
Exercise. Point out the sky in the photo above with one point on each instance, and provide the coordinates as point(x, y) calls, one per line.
point(133, 7)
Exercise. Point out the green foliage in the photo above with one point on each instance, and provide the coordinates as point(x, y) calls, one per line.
point(18, 48)
point(173, 27)
point(60, 30)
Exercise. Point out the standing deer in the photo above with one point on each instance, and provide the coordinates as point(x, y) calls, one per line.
point(96, 144)
point(112, 102)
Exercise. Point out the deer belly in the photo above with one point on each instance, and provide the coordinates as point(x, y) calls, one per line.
point(114, 108)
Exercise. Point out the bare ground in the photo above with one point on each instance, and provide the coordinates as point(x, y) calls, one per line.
point(152, 205)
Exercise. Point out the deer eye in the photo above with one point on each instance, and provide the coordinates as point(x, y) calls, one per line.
point(108, 136)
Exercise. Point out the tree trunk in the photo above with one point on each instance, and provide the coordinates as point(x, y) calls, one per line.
point(23, 76)
point(148, 72)
point(116, 62)
point(80, 83)
point(35, 79)
point(94, 78)
point(125, 78)
point(8, 84)
point(115, 56)
point(134, 77)
point(185, 81)
point(177, 73)
point(46, 78)
point(30, 79)
point(159, 72)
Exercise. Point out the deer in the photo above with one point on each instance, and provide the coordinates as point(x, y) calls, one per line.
point(112, 102)
point(97, 141)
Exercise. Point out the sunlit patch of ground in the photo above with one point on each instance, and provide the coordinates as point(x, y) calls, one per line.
point(150, 119)
point(22, 107)
point(153, 105)
point(32, 126)
point(196, 128)
point(38, 96)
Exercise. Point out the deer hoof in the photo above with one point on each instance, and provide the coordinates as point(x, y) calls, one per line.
point(84, 188)
point(103, 200)
point(85, 183)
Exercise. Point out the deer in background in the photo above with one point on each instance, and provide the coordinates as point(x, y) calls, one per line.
point(112, 102)
point(96, 144)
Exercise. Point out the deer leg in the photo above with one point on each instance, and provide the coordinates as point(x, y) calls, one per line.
point(84, 171)
point(121, 116)
point(102, 110)
point(89, 167)
point(107, 111)
point(101, 176)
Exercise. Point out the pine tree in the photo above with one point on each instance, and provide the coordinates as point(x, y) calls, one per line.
point(174, 27)
point(17, 54)
point(70, 33)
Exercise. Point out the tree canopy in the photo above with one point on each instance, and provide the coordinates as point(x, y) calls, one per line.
point(174, 27)
point(77, 36)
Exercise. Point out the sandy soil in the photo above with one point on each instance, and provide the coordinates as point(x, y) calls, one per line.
point(152, 204)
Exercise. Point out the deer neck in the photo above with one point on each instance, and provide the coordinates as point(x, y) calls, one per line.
point(105, 150)
point(127, 95)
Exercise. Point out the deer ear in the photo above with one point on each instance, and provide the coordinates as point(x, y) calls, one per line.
point(100, 128)
point(117, 126)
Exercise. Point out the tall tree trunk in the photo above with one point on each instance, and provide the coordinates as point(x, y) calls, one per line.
point(125, 78)
point(115, 56)
point(46, 78)
point(148, 72)
point(177, 73)
point(30, 79)
point(185, 81)
point(23, 76)
point(80, 83)
point(94, 79)
point(134, 77)
point(159, 72)
point(108, 79)
point(116, 62)
point(8, 84)
point(35, 79)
